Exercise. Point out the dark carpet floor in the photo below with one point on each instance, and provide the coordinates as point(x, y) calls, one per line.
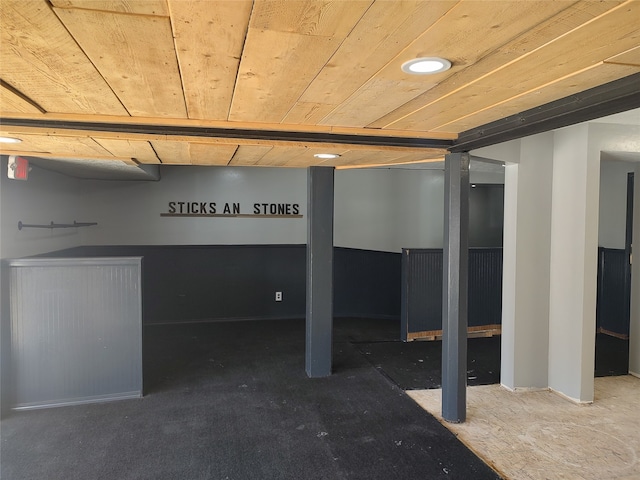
point(232, 401)
point(418, 365)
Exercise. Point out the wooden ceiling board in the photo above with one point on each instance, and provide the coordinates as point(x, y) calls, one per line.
point(136, 56)
point(154, 79)
point(372, 157)
point(574, 15)
point(384, 31)
point(461, 35)
point(249, 155)
point(41, 60)
point(275, 69)
point(209, 39)
point(11, 102)
point(139, 150)
point(172, 153)
point(305, 156)
point(573, 84)
point(615, 31)
point(57, 156)
point(427, 155)
point(278, 62)
point(279, 156)
point(327, 18)
point(140, 7)
point(396, 164)
point(630, 57)
point(308, 113)
point(207, 154)
point(66, 147)
point(347, 157)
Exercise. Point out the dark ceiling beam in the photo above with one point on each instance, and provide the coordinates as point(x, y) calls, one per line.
point(613, 97)
point(232, 133)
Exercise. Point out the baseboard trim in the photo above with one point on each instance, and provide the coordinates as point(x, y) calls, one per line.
point(227, 319)
point(524, 389)
point(571, 399)
point(267, 318)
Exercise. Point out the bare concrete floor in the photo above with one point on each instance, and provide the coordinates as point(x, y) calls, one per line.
point(541, 435)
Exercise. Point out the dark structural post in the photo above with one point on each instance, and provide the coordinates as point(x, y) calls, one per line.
point(319, 271)
point(455, 279)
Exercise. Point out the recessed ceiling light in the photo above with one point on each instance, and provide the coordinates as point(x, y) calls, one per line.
point(326, 155)
point(9, 140)
point(426, 65)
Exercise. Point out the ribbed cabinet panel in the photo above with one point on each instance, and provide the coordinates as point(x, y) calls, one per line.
point(76, 330)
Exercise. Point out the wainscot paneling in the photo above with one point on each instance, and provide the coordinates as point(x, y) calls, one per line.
point(421, 306)
point(236, 282)
point(366, 283)
point(612, 314)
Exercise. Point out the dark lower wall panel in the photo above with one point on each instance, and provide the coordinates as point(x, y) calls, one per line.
point(485, 286)
point(366, 283)
point(199, 283)
point(421, 309)
point(222, 282)
point(613, 291)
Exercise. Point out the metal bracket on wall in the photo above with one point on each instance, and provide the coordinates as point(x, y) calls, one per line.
point(56, 225)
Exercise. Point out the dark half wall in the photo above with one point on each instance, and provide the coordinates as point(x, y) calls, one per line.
point(231, 282)
point(486, 215)
point(366, 283)
point(613, 293)
point(421, 311)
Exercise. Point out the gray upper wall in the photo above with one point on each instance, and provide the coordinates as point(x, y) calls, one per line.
point(43, 198)
point(375, 209)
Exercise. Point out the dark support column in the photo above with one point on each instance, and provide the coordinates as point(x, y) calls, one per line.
point(455, 279)
point(319, 271)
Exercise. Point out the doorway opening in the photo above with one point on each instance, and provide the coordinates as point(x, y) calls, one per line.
point(614, 274)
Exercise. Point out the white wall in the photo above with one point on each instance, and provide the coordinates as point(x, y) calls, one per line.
point(527, 233)
point(376, 209)
point(388, 209)
point(574, 247)
point(508, 152)
point(606, 138)
point(613, 203)
point(43, 198)
point(129, 212)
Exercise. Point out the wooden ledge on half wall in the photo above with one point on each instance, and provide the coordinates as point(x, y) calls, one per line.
point(472, 332)
point(621, 336)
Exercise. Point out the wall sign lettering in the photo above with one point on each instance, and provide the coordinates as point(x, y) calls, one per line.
point(213, 209)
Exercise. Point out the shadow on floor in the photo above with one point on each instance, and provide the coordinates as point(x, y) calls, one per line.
point(417, 365)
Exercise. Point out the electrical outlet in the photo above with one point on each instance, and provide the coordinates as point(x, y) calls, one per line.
point(278, 296)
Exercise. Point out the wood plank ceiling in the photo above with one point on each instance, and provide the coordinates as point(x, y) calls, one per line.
point(172, 74)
